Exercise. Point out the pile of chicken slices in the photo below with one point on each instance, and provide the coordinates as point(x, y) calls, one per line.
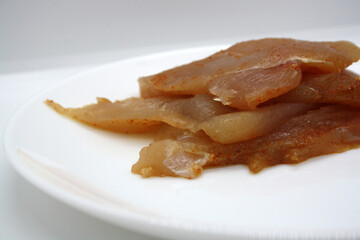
point(260, 103)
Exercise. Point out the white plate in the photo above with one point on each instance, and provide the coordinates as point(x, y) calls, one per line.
point(90, 170)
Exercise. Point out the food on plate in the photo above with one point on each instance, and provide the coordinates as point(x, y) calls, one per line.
point(335, 87)
point(136, 115)
point(330, 129)
point(221, 74)
point(247, 89)
point(245, 125)
point(223, 124)
point(259, 103)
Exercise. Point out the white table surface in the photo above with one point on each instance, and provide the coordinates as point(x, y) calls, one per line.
point(28, 213)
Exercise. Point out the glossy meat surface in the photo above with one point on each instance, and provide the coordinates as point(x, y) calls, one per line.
point(255, 56)
point(221, 123)
point(243, 89)
point(247, 89)
point(341, 88)
point(136, 115)
point(330, 129)
point(245, 125)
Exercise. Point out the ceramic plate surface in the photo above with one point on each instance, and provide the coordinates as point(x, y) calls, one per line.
point(89, 169)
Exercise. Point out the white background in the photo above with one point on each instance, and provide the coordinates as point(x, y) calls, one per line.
point(42, 42)
point(69, 31)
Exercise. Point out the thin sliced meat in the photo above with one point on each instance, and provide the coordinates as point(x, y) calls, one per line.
point(197, 113)
point(128, 116)
point(244, 89)
point(314, 56)
point(245, 125)
point(247, 89)
point(135, 115)
point(341, 88)
point(330, 129)
point(193, 78)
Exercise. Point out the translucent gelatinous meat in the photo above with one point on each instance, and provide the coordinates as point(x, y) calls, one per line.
point(244, 89)
point(136, 115)
point(330, 129)
point(341, 88)
point(194, 78)
point(245, 125)
point(220, 122)
point(247, 89)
